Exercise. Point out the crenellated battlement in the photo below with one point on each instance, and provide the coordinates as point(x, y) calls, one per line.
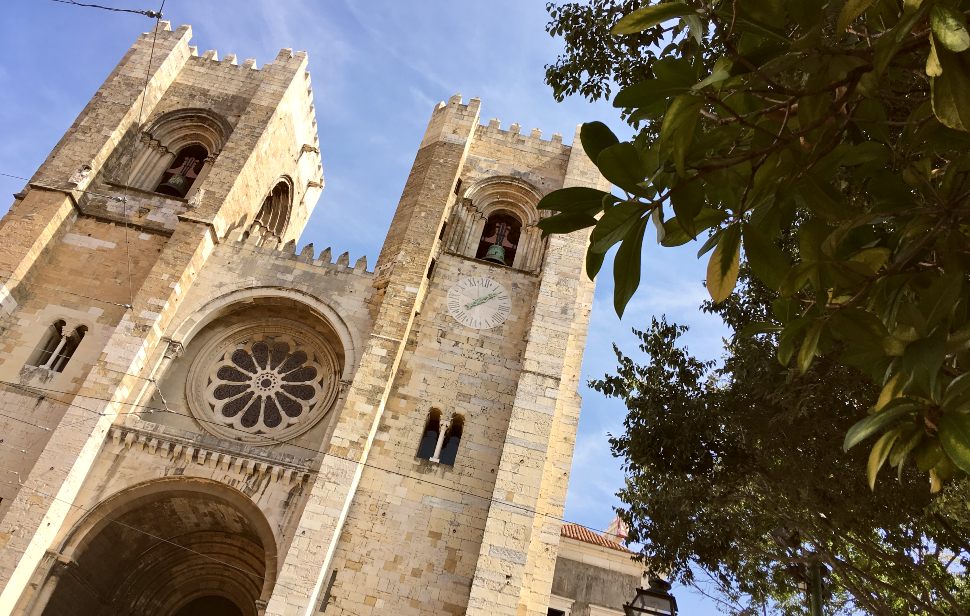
point(306, 255)
point(285, 56)
point(514, 132)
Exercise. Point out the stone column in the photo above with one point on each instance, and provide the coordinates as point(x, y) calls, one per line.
point(513, 576)
point(400, 272)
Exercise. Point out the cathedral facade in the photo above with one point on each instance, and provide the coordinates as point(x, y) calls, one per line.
point(198, 418)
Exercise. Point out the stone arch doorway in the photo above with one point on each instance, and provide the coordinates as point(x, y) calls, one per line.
point(176, 547)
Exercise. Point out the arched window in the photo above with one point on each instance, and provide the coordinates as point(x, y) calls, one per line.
point(500, 238)
point(71, 342)
point(57, 348)
point(429, 438)
point(449, 452)
point(48, 345)
point(273, 216)
point(178, 179)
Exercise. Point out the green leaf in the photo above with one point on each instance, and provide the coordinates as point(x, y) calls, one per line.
point(890, 391)
point(767, 261)
point(957, 391)
point(594, 261)
point(596, 137)
point(950, 27)
point(850, 11)
point(872, 424)
point(651, 92)
point(722, 269)
point(720, 72)
point(574, 200)
point(621, 165)
point(677, 130)
point(650, 16)
point(675, 235)
point(877, 457)
point(954, 433)
point(565, 223)
point(626, 267)
point(950, 92)
point(807, 352)
point(615, 224)
point(937, 302)
point(928, 455)
point(933, 68)
point(687, 199)
point(696, 27)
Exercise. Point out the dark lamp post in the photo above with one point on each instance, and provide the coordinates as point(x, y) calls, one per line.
point(655, 600)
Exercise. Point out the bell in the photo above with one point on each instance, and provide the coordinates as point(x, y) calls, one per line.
point(177, 186)
point(496, 253)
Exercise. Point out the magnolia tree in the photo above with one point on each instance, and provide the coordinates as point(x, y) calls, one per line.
point(827, 142)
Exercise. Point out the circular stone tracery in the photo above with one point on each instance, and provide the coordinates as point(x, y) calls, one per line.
point(263, 382)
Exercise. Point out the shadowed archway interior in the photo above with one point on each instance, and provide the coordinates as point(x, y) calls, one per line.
point(174, 553)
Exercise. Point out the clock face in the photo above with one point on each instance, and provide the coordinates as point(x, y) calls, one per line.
point(479, 302)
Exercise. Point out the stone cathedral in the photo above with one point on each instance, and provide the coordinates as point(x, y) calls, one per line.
point(196, 418)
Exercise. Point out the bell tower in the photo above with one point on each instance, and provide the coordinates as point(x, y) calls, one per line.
point(175, 152)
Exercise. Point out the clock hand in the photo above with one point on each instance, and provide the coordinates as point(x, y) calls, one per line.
point(481, 300)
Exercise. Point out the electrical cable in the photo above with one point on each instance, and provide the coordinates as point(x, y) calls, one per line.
point(146, 13)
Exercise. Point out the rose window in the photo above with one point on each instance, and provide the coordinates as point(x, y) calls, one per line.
point(275, 382)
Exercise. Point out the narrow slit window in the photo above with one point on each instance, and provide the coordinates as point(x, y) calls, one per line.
point(429, 438)
point(449, 450)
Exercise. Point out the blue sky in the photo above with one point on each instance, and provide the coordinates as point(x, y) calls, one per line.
point(378, 67)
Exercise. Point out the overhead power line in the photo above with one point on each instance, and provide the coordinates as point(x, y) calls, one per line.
point(147, 13)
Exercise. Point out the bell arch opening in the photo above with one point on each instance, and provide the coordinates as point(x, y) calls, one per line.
point(178, 179)
point(170, 548)
point(496, 220)
point(500, 238)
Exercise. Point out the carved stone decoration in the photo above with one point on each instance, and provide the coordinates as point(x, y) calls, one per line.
point(196, 199)
point(265, 382)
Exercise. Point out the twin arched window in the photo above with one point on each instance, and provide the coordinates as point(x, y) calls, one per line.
point(57, 346)
point(439, 441)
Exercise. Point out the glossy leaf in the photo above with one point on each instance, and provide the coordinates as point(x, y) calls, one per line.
point(626, 266)
point(574, 200)
point(565, 223)
point(596, 137)
point(950, 92)
point(722, 269)
point(615, 224)
point(621, 165)
point(851, 10)
point(650, 16)
point(677, 131)
point(809, 346)
point(873, 424)
point(949, 27)
point(877, 457)
point(954, 432)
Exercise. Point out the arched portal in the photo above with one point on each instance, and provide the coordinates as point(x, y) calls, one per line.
point(168, 548)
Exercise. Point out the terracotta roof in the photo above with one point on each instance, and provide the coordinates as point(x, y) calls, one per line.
point(581, 533)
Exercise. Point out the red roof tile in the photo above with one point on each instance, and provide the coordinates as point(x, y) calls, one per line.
point(581, 533)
